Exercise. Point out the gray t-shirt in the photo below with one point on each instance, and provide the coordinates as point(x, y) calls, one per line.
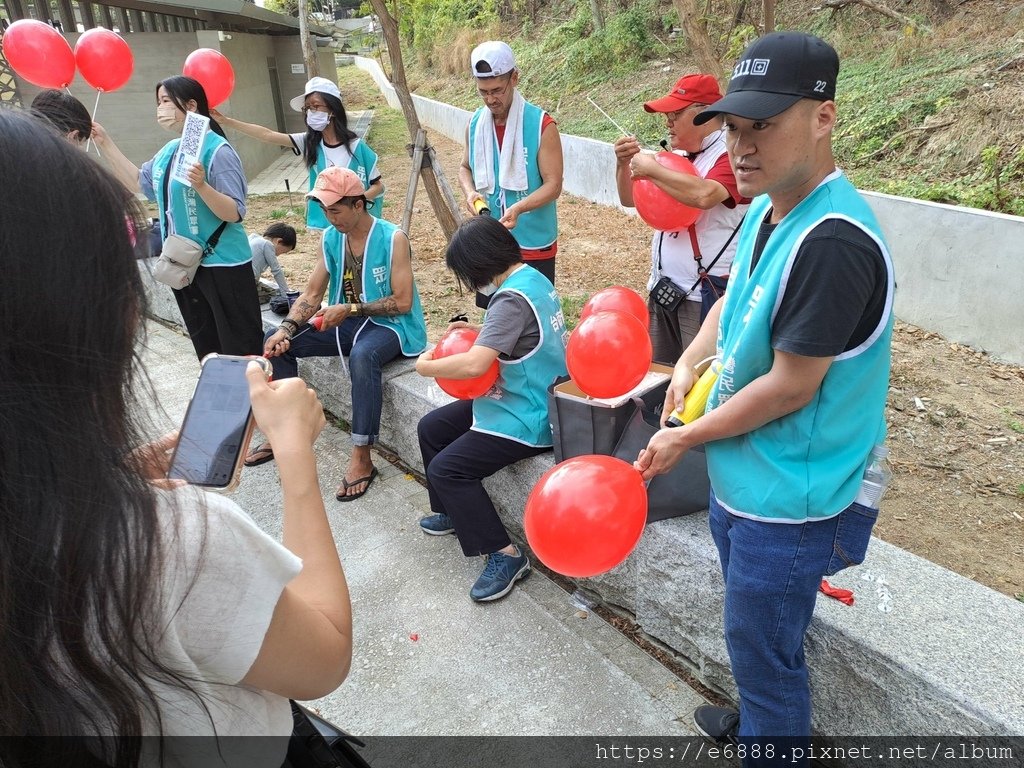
point(510, 326)
point(225, 174)
point(264, 256)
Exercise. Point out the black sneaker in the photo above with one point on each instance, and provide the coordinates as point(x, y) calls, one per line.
point(719, 725)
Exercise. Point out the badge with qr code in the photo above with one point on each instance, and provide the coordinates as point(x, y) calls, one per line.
point(191, 146)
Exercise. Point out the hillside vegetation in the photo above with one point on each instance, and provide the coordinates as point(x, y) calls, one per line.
point(932, 109)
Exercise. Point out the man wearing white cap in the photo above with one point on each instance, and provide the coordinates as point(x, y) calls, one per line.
point(512, 165)
point(326, 142)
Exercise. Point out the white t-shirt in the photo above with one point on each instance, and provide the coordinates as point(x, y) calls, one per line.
point(339, 155)
point(219, 585)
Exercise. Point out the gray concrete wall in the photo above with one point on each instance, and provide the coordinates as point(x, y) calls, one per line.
point(956, 268)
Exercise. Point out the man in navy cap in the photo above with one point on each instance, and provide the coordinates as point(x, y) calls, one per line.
point(804, 335)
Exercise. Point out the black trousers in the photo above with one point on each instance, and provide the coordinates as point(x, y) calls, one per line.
point(457, 459)
point(221, 310)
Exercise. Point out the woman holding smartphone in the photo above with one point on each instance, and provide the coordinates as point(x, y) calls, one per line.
point(131, 606)
point(465, 441)
point(326, 142)
point(221, 307)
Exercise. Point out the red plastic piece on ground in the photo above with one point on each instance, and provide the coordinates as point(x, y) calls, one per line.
point(414, 637)
point(844, 596)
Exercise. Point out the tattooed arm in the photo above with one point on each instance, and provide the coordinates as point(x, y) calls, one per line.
point(307, 305)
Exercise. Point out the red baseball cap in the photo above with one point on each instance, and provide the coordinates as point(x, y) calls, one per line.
point(335, 183)
point(691, 89)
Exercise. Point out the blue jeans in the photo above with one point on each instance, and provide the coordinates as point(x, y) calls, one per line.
point(772, 573)
point(368, 347)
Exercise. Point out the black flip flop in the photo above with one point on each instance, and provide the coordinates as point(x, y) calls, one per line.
point(265, 449)
point(345, 484)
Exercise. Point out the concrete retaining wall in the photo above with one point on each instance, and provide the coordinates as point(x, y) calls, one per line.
point(945, 659)
point(953, 264)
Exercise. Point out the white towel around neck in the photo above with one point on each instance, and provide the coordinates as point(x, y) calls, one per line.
point(511, 161)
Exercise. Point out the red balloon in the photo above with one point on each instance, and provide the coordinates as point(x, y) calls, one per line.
point(617, 298)
point(608, 354)
point(657, 207)
point(104, 59)
point(214, 73)
point(586, 515)
point(452, 343)
point(39, 53)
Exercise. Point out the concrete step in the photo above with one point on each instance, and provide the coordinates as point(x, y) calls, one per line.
point(427, 660)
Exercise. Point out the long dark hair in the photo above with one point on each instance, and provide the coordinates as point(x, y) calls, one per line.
point(480, 249)
point(79, 546)
point(340, 119)
point(182, 90)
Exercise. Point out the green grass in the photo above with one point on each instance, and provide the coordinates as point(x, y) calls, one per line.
point(280, 213)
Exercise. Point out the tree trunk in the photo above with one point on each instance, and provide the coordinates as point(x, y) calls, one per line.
point(308, 47)
point(697, 34)
point(446, 217)
point(597, 13)
point(768, 9)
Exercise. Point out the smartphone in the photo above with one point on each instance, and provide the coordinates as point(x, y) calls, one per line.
point(218, 425)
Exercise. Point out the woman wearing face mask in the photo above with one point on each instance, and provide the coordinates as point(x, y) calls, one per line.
point(221, 307)
point(463, 442)
point(326, 142)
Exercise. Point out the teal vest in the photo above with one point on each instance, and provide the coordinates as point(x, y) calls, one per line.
point(192, 218)
point(363, 161)
point(516, 407)
point(411, 327)
point(806, 465)
point(537, 228)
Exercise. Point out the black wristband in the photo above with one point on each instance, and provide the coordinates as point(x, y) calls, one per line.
point(288, 321)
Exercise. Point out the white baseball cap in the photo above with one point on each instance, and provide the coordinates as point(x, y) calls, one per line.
point(498, 57)
point(316, 85)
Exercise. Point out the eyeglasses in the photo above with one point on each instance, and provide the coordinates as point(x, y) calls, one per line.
point(315, 108)
point(491, 92)
point(673, 116)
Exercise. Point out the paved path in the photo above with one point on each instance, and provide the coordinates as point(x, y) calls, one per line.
point(290, 167)
point(429, 661)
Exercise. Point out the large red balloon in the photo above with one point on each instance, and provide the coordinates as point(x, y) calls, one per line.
point(586, 515)
point(104, 59)
point(608, 354)
point(39, 53)
point(214, 73)
point(453, 342)
point(617, 298)
point(657, 207)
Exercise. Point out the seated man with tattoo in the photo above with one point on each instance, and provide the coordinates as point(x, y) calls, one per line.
point(373, 314)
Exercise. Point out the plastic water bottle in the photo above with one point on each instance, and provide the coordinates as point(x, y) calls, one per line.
point(877, 477)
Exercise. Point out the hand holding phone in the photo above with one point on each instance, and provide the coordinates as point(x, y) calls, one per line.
point(288, 412)
point(218, 424)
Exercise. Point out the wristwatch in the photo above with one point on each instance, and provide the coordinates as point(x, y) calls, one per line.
point(356, 310)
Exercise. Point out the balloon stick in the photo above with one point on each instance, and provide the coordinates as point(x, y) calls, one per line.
point(609, 118)
point(94, 108)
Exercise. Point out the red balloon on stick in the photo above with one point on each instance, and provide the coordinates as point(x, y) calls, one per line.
point(586, 515)
point(213, 71)
point(453, 342)
point(617, 298)
point(657, 207)
point(104, 59)
point(39, 53)
point(608, 354)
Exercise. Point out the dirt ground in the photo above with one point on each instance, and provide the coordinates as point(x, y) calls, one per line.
point(956, 418)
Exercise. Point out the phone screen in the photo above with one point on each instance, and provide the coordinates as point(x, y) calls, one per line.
point(215, 425)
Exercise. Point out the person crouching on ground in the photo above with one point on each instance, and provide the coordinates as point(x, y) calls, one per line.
point(463, 442)
point(277, 240)
point(373, 314)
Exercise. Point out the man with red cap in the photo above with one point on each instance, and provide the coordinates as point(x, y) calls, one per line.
point(689, 267)
point(373, 313)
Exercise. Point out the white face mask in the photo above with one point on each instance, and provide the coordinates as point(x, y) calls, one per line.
point(317, 120)
point(487, 290)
